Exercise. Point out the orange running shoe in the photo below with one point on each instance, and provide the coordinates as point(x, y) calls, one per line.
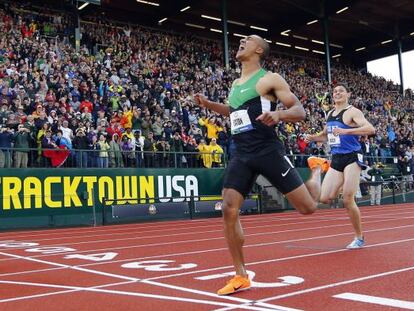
point(314, 162)
point(236, 284)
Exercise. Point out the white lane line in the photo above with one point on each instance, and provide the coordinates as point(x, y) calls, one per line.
point(314, 289)
point(304, 221)
point(377, 300)
point(272, 307)
point(188, 232)
point(137, 294)
point(184, 223)
point(263, 219)
point(200, 292)
point(196, 252)
point(132, 279)
point(178, 225)
point(185, 241)
point(199, 271)
point(277, 260)
point(60, 292)
point(71, 267)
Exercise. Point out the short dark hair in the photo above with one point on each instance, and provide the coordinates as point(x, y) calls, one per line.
point(344, 85)
point(266, 48)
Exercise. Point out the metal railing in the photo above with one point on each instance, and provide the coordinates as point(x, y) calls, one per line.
point(78, 158)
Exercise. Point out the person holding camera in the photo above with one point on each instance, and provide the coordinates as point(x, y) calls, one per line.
point(375, 187)
point(22, 144)
point(81, 145)
point(216, 153)
point(177, 146)
point(163, 153)
point(139, 148)
point(6, 138)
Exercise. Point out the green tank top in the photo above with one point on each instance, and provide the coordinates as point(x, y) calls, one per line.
point(241, 93)
point(251, 137)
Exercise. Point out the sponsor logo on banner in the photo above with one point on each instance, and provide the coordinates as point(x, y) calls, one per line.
point(56, 192)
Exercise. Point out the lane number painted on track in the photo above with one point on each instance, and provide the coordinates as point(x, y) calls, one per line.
point(158, 265)
point(93, 257)
point(50, 249)
point(287, 280)
point(16, 244)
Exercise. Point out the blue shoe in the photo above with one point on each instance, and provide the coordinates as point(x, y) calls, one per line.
point(356, 243)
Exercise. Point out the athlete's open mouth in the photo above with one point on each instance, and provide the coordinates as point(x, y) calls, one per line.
point(241, 48)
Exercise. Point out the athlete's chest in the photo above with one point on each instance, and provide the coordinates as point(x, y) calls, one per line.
point(241, 94)
point(344, 119)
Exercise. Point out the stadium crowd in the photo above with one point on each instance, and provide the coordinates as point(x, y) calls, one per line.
point(125, 99)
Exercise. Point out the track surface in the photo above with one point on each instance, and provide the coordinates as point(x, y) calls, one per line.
point(297, 263)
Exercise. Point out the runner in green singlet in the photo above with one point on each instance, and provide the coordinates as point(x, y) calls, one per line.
point(253, 116)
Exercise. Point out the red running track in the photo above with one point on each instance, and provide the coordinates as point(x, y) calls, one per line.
point(296, 262)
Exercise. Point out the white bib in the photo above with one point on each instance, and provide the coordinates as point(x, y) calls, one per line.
point(333, 140)
point(373, 178)
point(240, 122)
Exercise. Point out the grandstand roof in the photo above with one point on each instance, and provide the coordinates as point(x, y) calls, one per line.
point(366, 23)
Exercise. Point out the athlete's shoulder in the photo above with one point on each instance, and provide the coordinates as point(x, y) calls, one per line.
point(274, 79)
point(329, 114)
point(272, 75)
point(354, 110)
point(235, 82)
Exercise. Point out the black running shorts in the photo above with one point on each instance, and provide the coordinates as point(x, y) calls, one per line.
point(342, 160)
point(276, 167)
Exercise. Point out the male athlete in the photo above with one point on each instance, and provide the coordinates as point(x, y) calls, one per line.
point(345, 124)
point(258, 150)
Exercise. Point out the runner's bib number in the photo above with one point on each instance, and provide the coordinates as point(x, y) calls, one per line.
point(240, 122)
point(333, 140)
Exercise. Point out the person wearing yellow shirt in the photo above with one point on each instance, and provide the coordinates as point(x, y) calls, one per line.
point(205, 155)
point(216, 153)
point(126, 120)
point(289, 128)
point(202, 121)
point(212, 129)
point(128, 133)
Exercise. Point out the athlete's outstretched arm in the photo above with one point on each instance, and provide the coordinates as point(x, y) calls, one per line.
point(364, 127)
point(279, 88)
point(202, 101)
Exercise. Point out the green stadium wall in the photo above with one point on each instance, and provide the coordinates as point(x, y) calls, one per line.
point(65, 197)
point(73, 197)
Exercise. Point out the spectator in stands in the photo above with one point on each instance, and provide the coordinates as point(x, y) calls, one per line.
point(163, 153)
point(81, 144)
point(177, 146)
point(94, 148)
point(139, 147)
point(47, 143)
point(375, 173)
point(127, 147)
point(216, 153)
point(149, 149)
point(6, 138)
point(103, 152)
point(404, 165)
point(21, 144)
point(204, 152)
point(115, 154)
